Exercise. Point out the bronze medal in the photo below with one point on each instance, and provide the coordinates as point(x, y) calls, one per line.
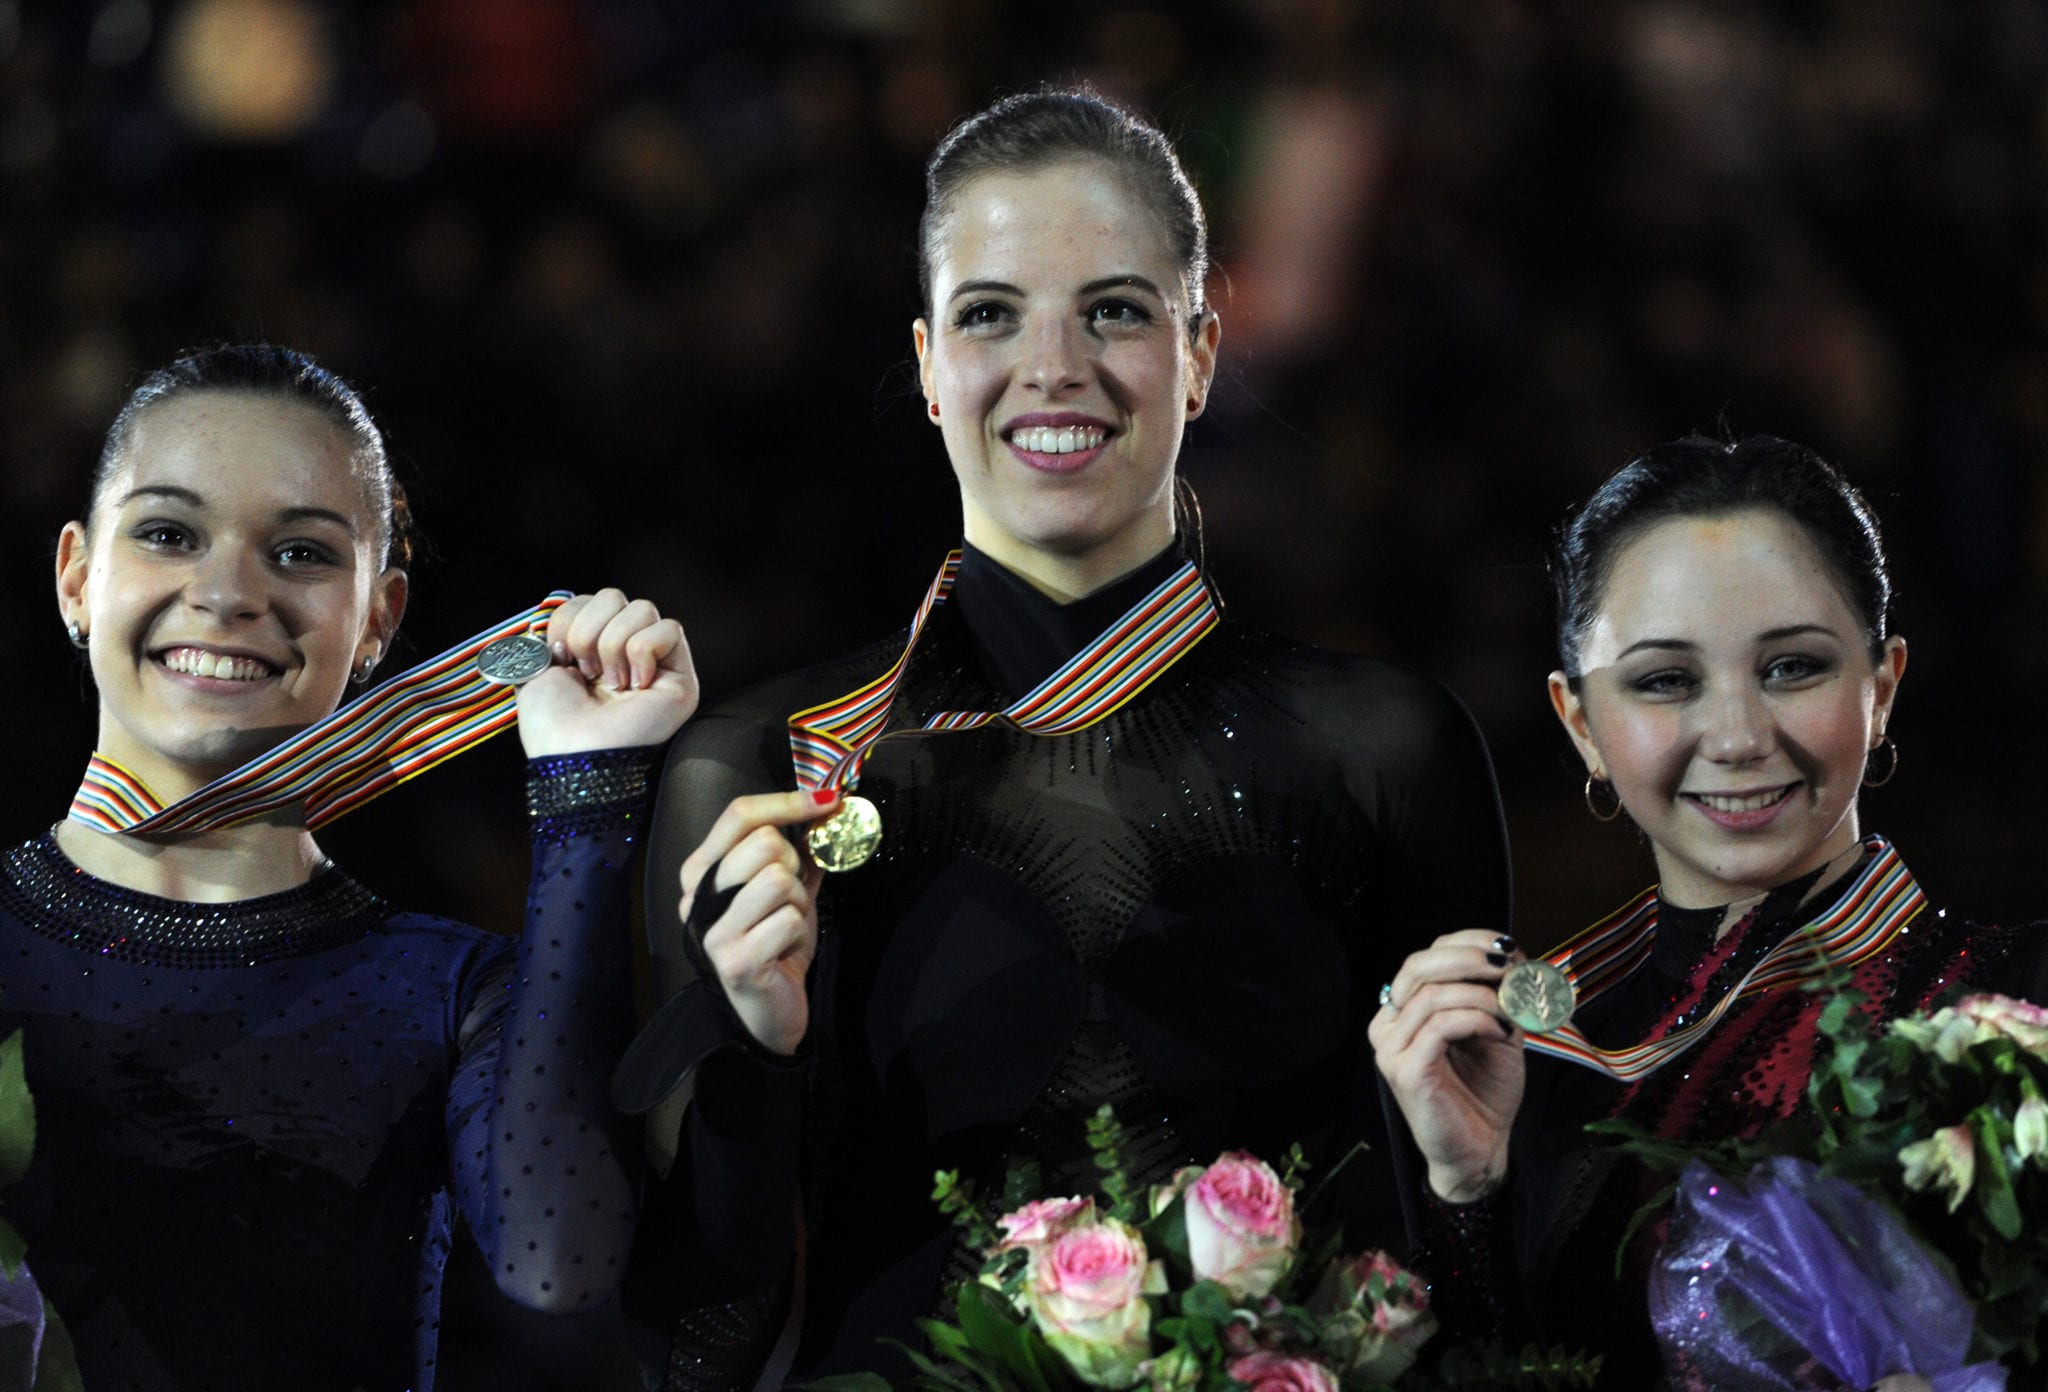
point(848, 838)
point(1537, 996)
point(510, 661)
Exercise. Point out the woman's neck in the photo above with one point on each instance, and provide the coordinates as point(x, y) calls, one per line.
point(213, 867)
point(1067, 576)
point(1838, 866)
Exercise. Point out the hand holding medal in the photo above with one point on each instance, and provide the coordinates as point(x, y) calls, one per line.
point(606, 672)
point(760, 943)
point(1453, 1058)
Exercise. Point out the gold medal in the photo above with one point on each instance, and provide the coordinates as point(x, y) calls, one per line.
point(1537, 996)
point(848, 838)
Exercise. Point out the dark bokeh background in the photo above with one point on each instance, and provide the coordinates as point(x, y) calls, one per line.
point(629, 285)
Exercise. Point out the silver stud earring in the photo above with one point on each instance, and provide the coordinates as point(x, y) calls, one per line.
point(78, 636)
point(360, 673)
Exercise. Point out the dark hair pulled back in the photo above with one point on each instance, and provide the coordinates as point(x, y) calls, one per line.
point(1037, 128)
point(1702, 477)
point(269, 370)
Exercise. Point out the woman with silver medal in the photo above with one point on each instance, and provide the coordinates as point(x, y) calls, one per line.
point(1729, 680)
point(1122, 850)
point(265, 1096)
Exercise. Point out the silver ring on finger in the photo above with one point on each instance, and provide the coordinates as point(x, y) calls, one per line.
point(1387, 998)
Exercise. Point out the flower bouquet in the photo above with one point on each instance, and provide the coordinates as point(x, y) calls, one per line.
point(35, 1351)
point(1204, 1284)
point(1900, 1225)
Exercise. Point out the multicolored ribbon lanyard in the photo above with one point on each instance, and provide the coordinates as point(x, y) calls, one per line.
point(396, 730)
point(1881, 901)
point(830, 743)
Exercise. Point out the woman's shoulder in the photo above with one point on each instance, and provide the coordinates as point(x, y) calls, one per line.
point(769, 703)
point(1943, 950)
point(1345, 691)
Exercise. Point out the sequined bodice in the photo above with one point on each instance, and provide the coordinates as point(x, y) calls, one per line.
point(54, 898)
point(257, 1121)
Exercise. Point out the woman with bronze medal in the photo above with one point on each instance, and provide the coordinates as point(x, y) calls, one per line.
point(1112, 847)
point(1728, 678)
point(264, 1095)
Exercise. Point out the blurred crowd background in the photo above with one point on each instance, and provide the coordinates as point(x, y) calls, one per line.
point(629, 285)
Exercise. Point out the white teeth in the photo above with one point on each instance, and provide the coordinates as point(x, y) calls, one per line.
point(197, 663)
point(1064, 439)
point(1754, 803)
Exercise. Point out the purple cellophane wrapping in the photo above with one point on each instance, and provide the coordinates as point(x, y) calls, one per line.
point(1842, 1289)
point(21, 1330)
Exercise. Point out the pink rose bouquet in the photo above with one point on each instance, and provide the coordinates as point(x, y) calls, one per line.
point(1203, 1284)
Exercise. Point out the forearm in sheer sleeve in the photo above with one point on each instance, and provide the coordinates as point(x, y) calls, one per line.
point(545, 1168)
point(720, 1223)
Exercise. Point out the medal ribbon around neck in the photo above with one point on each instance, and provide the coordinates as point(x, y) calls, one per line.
point(830, 743)
point(1871, 912)
point(394, 731)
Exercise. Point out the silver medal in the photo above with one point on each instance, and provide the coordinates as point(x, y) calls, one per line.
point(510, 661)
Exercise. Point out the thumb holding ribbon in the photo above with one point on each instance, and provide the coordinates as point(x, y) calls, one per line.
point(622, 677)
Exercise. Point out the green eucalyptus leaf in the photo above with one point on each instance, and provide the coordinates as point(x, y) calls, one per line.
point(12, 1250)
point(1208, 1300)
point(57, 1364)
point(17, 1114)
point(1166, 1236)
point(1993, 1186)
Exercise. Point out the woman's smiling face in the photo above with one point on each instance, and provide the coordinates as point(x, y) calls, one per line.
point(229, 581)
point(1061, 361)
point(1730, 696)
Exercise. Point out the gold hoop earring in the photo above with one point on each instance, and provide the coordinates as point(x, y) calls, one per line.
point(1891, 764)
point(1594, 780)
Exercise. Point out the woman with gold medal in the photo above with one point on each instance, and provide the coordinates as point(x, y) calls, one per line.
point(1116, 848)
point(1728, 678)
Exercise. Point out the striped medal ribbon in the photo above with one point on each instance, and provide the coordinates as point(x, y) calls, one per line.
point(394, 731)
point(830, 743)
point(1872, 911)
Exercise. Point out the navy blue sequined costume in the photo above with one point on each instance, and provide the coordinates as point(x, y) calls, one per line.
point(1183, 910)
point(259, 1120)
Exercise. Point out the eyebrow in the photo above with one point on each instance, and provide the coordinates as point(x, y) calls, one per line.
point(1771, 635)
point(290, 514)
point(980, 287)
point(1129, 280)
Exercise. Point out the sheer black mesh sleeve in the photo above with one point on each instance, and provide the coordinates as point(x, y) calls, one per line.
point(720, 1225)
point(545, 1170)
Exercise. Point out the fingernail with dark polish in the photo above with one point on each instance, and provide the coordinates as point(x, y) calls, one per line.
point(1507, 1029)
point(1498, 959)
point(1504, 943)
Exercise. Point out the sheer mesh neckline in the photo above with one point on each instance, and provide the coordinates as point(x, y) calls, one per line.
point(61, 902)
point(1022, 635)
point(1686, 937)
